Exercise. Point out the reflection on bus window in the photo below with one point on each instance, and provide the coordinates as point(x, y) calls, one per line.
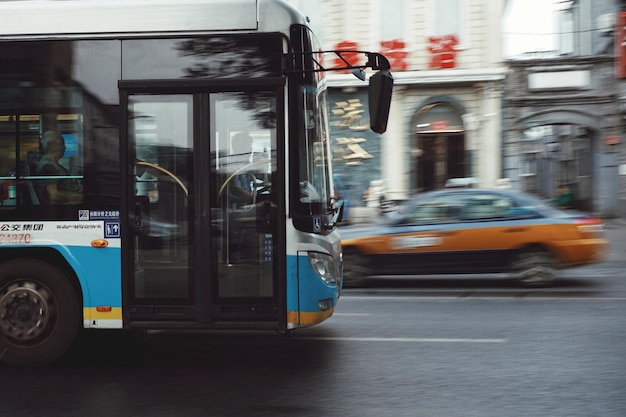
point(314, 181)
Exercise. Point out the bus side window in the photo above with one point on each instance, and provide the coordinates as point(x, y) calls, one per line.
point(30, 168)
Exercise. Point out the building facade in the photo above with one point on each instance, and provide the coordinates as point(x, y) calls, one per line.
point(446, 112)
point(564, 115)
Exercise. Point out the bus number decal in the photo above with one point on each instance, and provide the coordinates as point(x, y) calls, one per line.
point(14, 238)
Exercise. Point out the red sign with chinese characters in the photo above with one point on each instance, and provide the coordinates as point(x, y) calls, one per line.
point(352, 58)
point(394, 51)
point(444, 49)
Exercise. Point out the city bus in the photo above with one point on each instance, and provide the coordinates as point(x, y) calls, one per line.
point(165, 165)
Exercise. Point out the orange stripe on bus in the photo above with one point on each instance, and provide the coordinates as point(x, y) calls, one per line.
point(92, 313)
point(304, 318)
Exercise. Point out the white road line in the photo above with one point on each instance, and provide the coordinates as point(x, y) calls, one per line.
point(471, 297)
point(352, 314)
point(406, 339)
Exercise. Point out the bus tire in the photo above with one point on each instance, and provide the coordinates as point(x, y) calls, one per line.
point(39, 313)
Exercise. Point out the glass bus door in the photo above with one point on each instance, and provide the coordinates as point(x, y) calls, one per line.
point(201, 210)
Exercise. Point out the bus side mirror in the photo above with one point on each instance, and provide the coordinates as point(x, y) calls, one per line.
point(379, 97)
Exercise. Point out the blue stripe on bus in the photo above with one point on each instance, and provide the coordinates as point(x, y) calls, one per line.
point(301, 279)
point(99, 272)
point(292, 283)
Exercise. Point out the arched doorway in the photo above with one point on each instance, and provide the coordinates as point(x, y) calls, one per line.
point(439, 147)
point(558, 158)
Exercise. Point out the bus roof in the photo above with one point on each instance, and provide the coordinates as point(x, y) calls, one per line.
point(20, 19)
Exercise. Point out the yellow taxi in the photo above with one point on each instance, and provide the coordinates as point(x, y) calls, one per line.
point(473, 231)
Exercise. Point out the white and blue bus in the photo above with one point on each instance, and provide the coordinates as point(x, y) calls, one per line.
point(165, 165)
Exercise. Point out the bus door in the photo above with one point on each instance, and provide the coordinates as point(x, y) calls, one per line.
point(201, 202)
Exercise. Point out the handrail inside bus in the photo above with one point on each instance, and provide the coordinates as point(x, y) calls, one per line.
point(166, 172)
point(239, 171)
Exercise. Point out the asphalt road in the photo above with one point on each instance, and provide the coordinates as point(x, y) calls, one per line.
point(400, 348)
point(385, 352)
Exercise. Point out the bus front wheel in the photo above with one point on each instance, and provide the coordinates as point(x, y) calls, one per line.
point(39, 313)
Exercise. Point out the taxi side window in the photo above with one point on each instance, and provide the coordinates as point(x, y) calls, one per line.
point(440, 209)
point(487, 207)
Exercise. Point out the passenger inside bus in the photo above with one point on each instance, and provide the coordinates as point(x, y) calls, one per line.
point(242, 185)
point(56, 190)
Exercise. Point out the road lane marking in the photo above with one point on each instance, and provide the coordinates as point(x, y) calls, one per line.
point(405, 339)
point(352, 314)
point(512, 297)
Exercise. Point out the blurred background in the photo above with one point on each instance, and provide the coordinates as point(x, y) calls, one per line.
point(528, 94)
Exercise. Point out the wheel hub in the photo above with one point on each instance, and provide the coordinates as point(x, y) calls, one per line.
point(24, 311)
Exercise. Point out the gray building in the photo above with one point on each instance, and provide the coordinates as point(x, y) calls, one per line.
point(563, 124)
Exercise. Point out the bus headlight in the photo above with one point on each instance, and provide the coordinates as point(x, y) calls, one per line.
point(324, 266)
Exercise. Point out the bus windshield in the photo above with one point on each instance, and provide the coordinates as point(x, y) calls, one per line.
point(314, 173)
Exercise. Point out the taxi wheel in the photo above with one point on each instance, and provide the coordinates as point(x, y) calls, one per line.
point(355, 269)
point(534, 268)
